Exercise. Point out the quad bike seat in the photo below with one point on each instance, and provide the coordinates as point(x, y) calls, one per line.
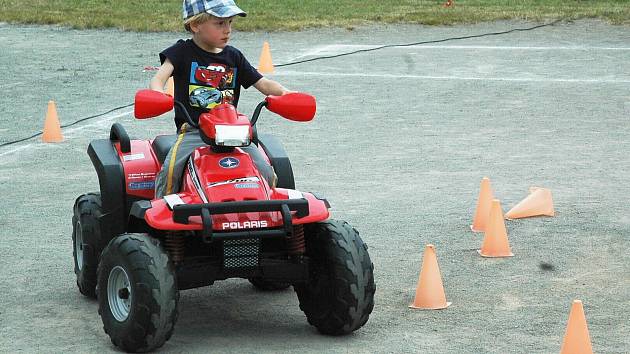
point(162, 144)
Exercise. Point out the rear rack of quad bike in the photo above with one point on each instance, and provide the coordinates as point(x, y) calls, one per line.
point(182, 212)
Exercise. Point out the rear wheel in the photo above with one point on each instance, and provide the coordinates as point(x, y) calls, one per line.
point(87, 241)
point(339, 295)
point(137, 293)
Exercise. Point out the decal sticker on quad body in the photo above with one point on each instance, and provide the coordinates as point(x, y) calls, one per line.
point(229, 162)
point(142, 185)
point(233, 181)
point(193, 175)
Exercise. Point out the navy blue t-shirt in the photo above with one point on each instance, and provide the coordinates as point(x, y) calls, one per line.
point(203, 79)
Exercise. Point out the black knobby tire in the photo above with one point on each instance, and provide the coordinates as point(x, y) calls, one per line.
point(87, 241)
point(339, 295)
point(266, 285)
point(142, 317)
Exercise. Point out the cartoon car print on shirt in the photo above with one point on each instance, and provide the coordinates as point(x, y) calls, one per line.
point(205, 97)
point(211, 75)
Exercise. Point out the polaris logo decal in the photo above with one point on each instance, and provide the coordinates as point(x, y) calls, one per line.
point(244, 225)
point(229, 162)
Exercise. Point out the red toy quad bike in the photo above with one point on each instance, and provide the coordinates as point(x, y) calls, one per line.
point(135, 253)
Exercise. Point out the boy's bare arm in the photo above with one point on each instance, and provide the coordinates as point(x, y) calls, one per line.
point(161, 76)
point(270, 88)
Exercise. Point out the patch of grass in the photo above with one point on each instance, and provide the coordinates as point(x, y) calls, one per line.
point(164, 15)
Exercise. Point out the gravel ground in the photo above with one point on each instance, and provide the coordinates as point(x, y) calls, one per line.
point(401, 141)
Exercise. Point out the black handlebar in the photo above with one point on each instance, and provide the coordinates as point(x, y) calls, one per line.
point(185, 111)
point(257, 112)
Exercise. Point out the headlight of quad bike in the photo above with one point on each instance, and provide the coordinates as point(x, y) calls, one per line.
point(232, 135)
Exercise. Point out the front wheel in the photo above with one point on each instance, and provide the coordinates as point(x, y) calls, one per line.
point(339, 294)
point(137, 293)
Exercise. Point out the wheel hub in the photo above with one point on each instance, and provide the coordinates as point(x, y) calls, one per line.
point(119, 293)
point(123, 293)
point(78, 245)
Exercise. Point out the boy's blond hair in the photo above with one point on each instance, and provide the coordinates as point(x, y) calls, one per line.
point(197, 19)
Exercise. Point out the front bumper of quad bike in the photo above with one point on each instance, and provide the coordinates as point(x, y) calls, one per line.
point(182, 213)
point(159, 215)
point(240, 253)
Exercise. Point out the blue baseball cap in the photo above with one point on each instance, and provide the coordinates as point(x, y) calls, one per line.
point(217, 8)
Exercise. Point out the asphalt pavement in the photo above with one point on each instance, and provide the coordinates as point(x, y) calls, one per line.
point(401, 140)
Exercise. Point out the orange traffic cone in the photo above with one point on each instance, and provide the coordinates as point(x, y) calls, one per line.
point(538, 202)
point(265, 64)
point(576, 338)
point(483, 206)
point(52, 128)
point(170, 86)
point(430, 291)
point(495, 240)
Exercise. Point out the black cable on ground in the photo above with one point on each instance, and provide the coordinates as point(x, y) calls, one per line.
point(96, 116)
point(326, 57)
point(420, 43)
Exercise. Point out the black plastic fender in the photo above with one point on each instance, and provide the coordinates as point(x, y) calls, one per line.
point(112, 183)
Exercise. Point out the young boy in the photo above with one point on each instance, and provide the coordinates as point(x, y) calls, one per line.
point(206, 72)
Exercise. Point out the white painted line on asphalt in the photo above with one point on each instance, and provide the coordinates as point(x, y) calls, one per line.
point(462, 78)
point(12, 84)
point(16, 149)
point(68, 132)
point(311, 53)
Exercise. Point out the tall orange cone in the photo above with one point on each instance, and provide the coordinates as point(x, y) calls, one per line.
point(483, 206)
point(576, 338)
point(430, 291)
point(170, 86)
point(52, 128)
point(538, 202)
point(495, 240)
point(265, 64)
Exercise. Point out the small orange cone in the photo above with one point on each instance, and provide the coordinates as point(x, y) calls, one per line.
point(483, 206)
point(538, 202)
point(170, 87)
point(265, 64)
point(495, 240)
point(430, 291)
point(52, 128)
point(576, 338)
